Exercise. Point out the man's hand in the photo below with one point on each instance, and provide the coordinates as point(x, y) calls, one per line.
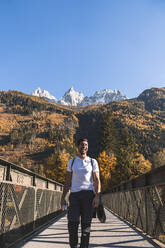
point(96, 201)
point(63, 202)
point(67, 184)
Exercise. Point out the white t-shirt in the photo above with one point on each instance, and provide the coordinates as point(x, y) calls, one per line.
point(82, 176)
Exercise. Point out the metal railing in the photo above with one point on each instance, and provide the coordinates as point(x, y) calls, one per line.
point(141, 202)
point(19, 175)
point(27, 201)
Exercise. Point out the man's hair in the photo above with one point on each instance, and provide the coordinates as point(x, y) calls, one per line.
point(81, 140)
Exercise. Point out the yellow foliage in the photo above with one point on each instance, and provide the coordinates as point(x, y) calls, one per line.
point(110, 175)
point(107, 166)
point(56, 166)
point(56, 118)
point(75, 118)
point(140, 165)
point(2, 149)
point(1, 109)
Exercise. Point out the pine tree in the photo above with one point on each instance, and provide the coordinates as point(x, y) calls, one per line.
point(109, 135)
point(125, 153)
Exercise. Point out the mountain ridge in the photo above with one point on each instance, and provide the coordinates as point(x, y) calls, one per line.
point(74, 98)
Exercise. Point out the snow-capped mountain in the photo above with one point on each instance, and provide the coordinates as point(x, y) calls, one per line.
point(74, 98)
point(44, 93)
point(103, 96)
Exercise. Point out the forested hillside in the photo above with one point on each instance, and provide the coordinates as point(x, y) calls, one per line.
point(34, 131)
point(127, 137)
point(144, 123)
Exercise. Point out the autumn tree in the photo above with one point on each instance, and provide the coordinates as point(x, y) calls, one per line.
point(158, 158)
point(107, 164)
point(60, 169)
point(56, 165)
point(140, 165)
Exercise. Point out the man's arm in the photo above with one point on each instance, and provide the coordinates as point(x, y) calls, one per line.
point(67, 185)
point(97, 188)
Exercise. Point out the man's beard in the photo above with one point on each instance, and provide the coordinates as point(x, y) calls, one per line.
point(82, 152)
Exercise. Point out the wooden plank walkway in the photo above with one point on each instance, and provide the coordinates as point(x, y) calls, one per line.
point(114, 233)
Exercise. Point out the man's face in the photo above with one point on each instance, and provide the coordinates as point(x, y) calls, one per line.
point(83, 147)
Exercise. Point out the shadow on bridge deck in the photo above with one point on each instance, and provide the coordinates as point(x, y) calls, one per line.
point(114, 233)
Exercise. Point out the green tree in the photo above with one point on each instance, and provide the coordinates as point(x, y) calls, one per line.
point(125, 153)
point(109, 135)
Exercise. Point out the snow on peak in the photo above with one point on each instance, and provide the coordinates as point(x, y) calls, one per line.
point(104, 96)
point(71, 98)
point(43, 93)
point(74, 98)
point(37, 92)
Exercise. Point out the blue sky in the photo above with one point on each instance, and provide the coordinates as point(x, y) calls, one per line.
point(88, 44)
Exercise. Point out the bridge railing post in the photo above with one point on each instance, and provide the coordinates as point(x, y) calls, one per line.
point(8, 175)
point(34, 208)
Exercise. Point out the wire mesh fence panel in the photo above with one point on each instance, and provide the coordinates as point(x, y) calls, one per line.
point(22, 209)
point(144, 208)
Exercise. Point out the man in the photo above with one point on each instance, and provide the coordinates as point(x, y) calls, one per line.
point(82, 178)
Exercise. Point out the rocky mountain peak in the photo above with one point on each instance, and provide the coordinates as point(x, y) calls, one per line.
point(75, 98)
point(43, 93)
point(104, 96)
point(71, 98)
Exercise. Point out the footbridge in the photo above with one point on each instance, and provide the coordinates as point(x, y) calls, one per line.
point(30, 214)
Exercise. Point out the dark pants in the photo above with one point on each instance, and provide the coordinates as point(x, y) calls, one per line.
point(80, 205)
